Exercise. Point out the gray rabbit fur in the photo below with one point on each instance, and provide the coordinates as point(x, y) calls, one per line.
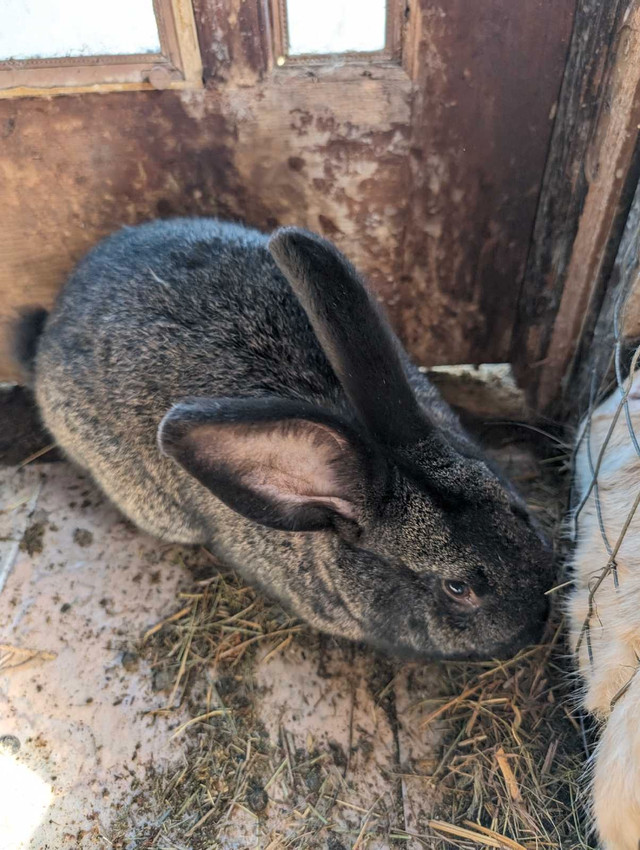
point(245, 393)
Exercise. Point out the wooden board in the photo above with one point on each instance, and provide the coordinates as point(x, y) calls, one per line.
point(427, 174)
point(590, 178)
point(616, 323)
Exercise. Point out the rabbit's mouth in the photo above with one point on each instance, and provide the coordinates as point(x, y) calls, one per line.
point(499, 651)
point(528, 636)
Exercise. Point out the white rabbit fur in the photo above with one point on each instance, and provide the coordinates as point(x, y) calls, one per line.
point(614, 627)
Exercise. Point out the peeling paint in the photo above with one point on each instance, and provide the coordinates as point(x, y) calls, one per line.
point(424, 178)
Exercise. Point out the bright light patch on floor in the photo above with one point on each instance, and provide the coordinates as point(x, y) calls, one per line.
point(24, 799)
point(48, 28)
point(336, 26)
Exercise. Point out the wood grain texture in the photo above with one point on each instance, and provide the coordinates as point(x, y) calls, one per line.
point(585, 194)
point(427, 175)
point(488, 75)
point(594, 368)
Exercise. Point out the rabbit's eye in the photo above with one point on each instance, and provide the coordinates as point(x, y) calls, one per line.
point(458, 590)
point(461, 592)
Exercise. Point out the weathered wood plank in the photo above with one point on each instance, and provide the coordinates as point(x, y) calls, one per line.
point(583, 203)
point(425, 174)
point(488, 75)
point(595, 356)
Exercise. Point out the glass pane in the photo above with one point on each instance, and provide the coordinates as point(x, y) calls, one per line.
point(336, 26)
point(37, 29)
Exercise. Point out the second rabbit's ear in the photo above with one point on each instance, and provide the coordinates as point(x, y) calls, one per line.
point(280, 463)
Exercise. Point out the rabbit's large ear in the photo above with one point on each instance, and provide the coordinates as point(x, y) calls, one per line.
point(354, 335)
point(284, 464)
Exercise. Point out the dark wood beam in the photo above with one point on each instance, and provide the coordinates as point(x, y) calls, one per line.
point(586, 193)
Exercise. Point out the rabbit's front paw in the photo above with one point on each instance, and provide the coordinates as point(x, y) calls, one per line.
point(616, 778)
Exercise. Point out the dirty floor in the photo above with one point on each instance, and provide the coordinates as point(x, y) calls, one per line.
point(108, 738)
point(150, 699)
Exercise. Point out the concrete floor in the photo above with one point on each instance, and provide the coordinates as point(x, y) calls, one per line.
point(77, 591)
point(78, 736)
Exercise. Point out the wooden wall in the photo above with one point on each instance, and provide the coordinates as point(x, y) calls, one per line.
point(590, 181)
point(427, 175)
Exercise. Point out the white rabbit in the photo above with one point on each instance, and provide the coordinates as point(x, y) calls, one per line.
point(609, 652)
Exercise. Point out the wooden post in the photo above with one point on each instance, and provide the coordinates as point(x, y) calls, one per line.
point(620, 310)
point(589, 181)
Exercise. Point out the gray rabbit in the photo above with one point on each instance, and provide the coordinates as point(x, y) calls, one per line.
point(246, 393)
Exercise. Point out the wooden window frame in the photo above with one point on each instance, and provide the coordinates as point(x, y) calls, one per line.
point(177, 66)
point(391, 54)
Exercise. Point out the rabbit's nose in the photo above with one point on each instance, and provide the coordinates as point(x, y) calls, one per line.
point(527, 636)
point(532, 632)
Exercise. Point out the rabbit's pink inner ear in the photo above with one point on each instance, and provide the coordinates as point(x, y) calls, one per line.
point(291, 463)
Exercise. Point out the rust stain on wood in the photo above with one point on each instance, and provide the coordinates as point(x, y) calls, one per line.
point(429, 184)
point(490, 74)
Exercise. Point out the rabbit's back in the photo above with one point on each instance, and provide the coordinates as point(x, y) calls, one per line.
point(155, 314)
point(188, 307)
point(167, 311)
